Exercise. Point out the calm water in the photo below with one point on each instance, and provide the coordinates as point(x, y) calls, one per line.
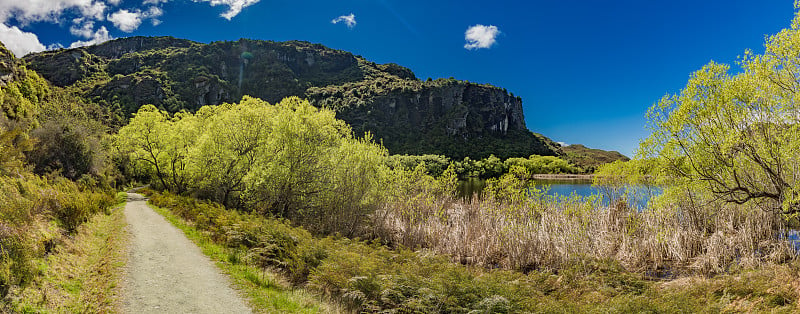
point(638, 196)
point(567, 187)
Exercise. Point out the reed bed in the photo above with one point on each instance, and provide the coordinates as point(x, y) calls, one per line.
point(523, 229)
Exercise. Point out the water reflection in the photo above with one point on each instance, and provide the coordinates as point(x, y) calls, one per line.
point(471, 187)
point(637, 196)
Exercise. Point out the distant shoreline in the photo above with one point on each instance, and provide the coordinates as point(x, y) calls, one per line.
point(564, 176)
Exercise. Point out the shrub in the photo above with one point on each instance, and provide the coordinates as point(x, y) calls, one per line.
point(34, 213)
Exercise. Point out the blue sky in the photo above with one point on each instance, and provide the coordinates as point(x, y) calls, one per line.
point(587, 70)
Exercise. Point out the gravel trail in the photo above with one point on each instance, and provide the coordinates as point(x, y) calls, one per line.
point(167, 273)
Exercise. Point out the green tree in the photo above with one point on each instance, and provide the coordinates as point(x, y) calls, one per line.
point(736, 135)
point(291, 166)
point(225, 153)
point(355, 190)
point(291, 160)
point(159, 145)
point(143, 140)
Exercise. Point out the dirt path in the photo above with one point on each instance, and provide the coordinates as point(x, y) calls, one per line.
point(167, 273)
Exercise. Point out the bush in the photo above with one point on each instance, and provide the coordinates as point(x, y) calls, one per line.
point(289, 159)
point(63, 148)
point(34, 213)
point(434, 165)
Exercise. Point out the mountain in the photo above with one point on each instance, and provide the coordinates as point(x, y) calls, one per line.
point(444, 116)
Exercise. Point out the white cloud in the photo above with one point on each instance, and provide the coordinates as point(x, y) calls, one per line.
point(26, 11)
point(480, 36)
point(80, 29)
point(95, 10)
point(18, 41)
point(85, 16)
point(55, 46)
point(100, 36)
point(234, 6)
point(153, 13)
point(126, 21)
point(349, 20)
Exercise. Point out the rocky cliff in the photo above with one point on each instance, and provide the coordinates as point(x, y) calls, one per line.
point(10, 69)
point(443, 116)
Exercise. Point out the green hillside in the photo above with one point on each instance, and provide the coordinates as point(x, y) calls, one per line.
point(410, 116)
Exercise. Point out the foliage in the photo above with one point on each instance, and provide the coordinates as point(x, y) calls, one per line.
point(33, 213)
point(290, 159)
point(223, 157)
point(590, 159)
point(630, 181)
point(65, 148)
point(493, 167)
point(736, 135)
point(14, 142)
point(20, 103)
point(71, 139)
point(158, 145)
point(544, 165)
point(36, 211)
point(434, 164)
point(48, 127)
point(21, 99)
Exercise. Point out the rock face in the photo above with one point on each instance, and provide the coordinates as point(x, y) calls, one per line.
point(9, 66)
point(443, 116)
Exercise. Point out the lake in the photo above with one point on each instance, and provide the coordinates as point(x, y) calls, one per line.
point(564, 187)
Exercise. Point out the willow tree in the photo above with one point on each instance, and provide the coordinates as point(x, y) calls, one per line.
point(291, 168)
point(232, 141)
point(159, 144)
point(736, 135)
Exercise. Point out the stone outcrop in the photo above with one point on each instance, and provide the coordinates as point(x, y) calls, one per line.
point(9, 66)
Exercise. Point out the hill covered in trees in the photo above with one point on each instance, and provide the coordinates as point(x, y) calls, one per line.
point(590, 158)
point(410, 116)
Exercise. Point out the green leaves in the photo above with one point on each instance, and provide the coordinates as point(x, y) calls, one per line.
point(736, 136)
point(289, 159)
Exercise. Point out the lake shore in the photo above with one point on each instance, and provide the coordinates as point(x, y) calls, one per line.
point(563, 176)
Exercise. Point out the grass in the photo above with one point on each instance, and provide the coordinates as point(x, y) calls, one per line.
point(82, 275)
point(266, 292)
point(370, 277)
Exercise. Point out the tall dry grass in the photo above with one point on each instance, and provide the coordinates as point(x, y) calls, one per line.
point(519, 228)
